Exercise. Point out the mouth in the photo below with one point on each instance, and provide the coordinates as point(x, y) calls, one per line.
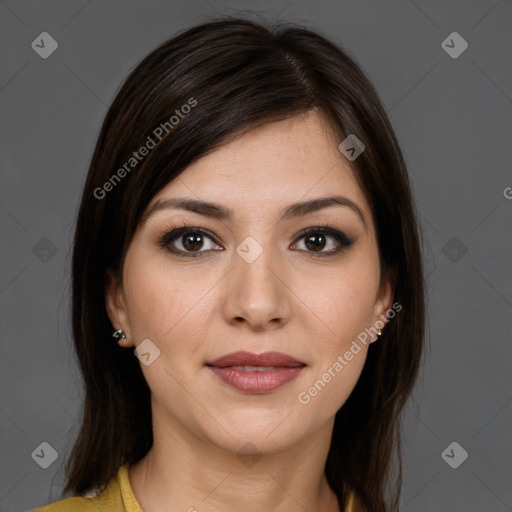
point(256, 373)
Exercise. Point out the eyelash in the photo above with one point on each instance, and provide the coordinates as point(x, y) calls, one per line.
point(343, 240)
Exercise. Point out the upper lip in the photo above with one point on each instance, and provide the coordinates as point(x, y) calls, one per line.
point(248, 359)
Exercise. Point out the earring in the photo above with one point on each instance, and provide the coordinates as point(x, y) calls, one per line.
point(379, 333)
point(119, 335)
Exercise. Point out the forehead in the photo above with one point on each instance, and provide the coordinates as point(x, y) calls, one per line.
point(276, 164)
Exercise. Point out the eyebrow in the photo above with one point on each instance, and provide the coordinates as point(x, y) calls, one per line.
point(220, 212)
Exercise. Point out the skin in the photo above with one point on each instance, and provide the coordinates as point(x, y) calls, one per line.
point(198, 309)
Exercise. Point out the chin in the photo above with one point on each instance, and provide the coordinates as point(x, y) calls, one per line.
point(258, 431)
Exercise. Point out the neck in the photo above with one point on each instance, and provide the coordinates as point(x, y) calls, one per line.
point(192, 474)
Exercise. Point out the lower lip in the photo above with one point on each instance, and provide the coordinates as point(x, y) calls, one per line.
point(257, 382)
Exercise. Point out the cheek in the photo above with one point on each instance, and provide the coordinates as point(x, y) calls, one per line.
point(343, 306)
point(325, 395)
point(164, 302)
point(338, 355)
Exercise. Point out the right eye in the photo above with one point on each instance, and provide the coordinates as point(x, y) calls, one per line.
point(190, 239)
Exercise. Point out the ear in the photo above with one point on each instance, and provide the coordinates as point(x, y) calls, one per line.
point(115, 304)
point(384, 299)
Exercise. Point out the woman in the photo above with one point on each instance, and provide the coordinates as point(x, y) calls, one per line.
point(247, 231)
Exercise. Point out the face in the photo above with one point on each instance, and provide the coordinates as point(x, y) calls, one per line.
point(304, 285)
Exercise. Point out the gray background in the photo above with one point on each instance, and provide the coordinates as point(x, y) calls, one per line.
point(452, 118)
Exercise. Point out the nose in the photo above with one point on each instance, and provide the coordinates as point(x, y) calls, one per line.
point(256, 291)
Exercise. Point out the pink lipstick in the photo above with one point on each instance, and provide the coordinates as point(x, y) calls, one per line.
point(256, 373)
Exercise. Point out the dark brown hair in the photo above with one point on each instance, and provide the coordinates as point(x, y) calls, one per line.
point(239, 74)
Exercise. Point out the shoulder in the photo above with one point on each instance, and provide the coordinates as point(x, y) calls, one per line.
point(117, 496)
point(74, 504)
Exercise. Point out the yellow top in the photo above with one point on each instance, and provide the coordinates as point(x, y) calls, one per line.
point(117, 497)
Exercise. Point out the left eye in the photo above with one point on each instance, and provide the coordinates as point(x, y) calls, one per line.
point(315, 241)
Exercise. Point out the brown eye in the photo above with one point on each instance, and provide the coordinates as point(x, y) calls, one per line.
point(192, 242)
point(188, 242)
point(315, 242)
point(318, 239)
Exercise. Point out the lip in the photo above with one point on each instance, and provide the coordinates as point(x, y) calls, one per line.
point(286, 368)
point(248, 359)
